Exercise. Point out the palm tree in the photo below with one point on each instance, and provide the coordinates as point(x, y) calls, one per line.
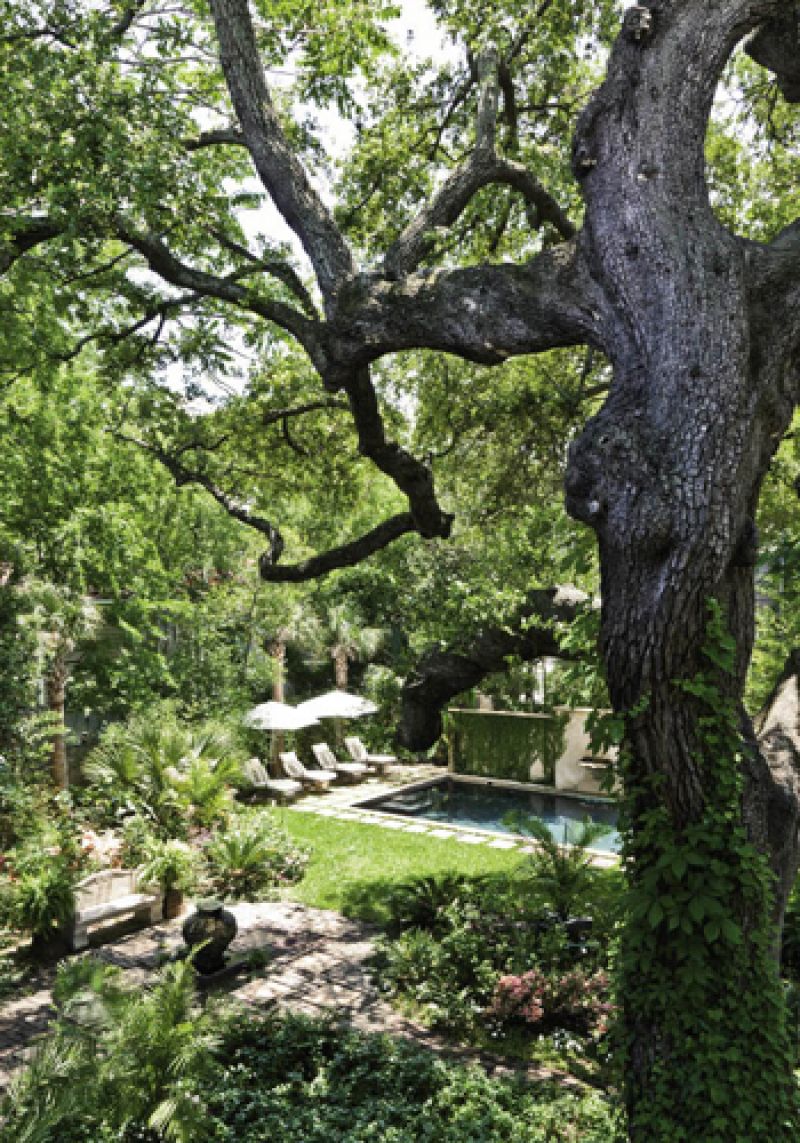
point(63, 618)
point(350, 640)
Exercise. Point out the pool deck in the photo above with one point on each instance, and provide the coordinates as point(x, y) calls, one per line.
point(344, 803)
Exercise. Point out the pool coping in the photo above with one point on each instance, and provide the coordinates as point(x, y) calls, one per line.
point(343, 811)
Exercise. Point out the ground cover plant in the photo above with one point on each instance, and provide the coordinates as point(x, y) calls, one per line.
point(137, 1072)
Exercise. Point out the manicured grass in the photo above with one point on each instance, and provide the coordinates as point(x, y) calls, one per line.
point(353, 867)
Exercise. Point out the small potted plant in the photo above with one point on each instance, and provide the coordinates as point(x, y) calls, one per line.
point(171, 865)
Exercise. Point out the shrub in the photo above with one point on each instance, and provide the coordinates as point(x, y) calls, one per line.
point(562, 877)
point(38, 899)
point(319, 1082)
point(119, 1065)
point(491, 928)
point(172, 775)
point(420, 902)
point(572, 1000)
point(38, 876)
point(170, 864)
point(251, 858)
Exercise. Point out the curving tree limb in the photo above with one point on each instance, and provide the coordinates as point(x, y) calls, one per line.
point(444, 673)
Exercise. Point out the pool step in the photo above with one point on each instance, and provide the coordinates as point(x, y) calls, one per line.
point(410, 804)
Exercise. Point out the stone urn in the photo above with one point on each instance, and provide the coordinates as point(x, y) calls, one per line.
point(213, 927)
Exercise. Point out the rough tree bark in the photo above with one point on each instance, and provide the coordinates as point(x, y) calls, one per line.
point(56, 689)
point(703, 337)
point(702, 331)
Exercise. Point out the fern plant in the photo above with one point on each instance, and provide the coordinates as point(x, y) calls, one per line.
point(117, 1061)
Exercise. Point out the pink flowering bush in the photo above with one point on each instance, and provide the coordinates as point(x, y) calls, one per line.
point(573, 999)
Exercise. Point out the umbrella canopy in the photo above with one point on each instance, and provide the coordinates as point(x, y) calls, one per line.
point(337, 704)
point(278, 716)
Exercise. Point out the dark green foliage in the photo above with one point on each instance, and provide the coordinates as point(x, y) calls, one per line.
point(321, 1083)
point(121, 1064)
point(699, 939)
point(790, 948)
point(420, 902)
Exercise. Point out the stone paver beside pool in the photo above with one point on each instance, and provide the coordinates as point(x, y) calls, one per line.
point(344, 803)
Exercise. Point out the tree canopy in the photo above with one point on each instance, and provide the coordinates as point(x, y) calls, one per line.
point(307, 261)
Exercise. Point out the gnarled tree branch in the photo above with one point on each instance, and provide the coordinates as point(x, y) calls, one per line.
point(483, 313)
point(278, 167)
point(776, 46)
point(346, 555)
point(183, 476)
point(26, 233)
point(442, 674)
point(164, 263)
point(275, 267)
point(482, 168)
point(410, 475)
point(219, 136)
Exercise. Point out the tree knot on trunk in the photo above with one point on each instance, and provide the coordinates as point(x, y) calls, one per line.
point(613, 484)
point(637, 22)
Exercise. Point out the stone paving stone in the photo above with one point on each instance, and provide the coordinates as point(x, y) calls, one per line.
point(317, 966)
point(417, 828)
point(391, 823)
point(502, 843)
point(470, 839)
point(442, 833)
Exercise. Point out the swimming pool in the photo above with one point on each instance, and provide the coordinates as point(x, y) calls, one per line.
point(482, 805)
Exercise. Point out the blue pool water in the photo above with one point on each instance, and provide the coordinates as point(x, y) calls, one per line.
point(479, 806)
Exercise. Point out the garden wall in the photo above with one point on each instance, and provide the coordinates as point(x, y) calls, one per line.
point(552, 749)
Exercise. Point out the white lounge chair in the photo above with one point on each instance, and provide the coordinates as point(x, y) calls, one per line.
point(313, 779)
point(359, 753)
point(258, 780)
point(353, 771)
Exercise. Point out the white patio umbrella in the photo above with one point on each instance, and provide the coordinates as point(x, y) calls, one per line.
point(337, 704)
point(278, 716)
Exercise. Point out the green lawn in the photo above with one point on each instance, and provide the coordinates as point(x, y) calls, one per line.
point(353, 867)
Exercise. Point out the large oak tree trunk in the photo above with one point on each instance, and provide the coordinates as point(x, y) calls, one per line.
point(668, 475)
